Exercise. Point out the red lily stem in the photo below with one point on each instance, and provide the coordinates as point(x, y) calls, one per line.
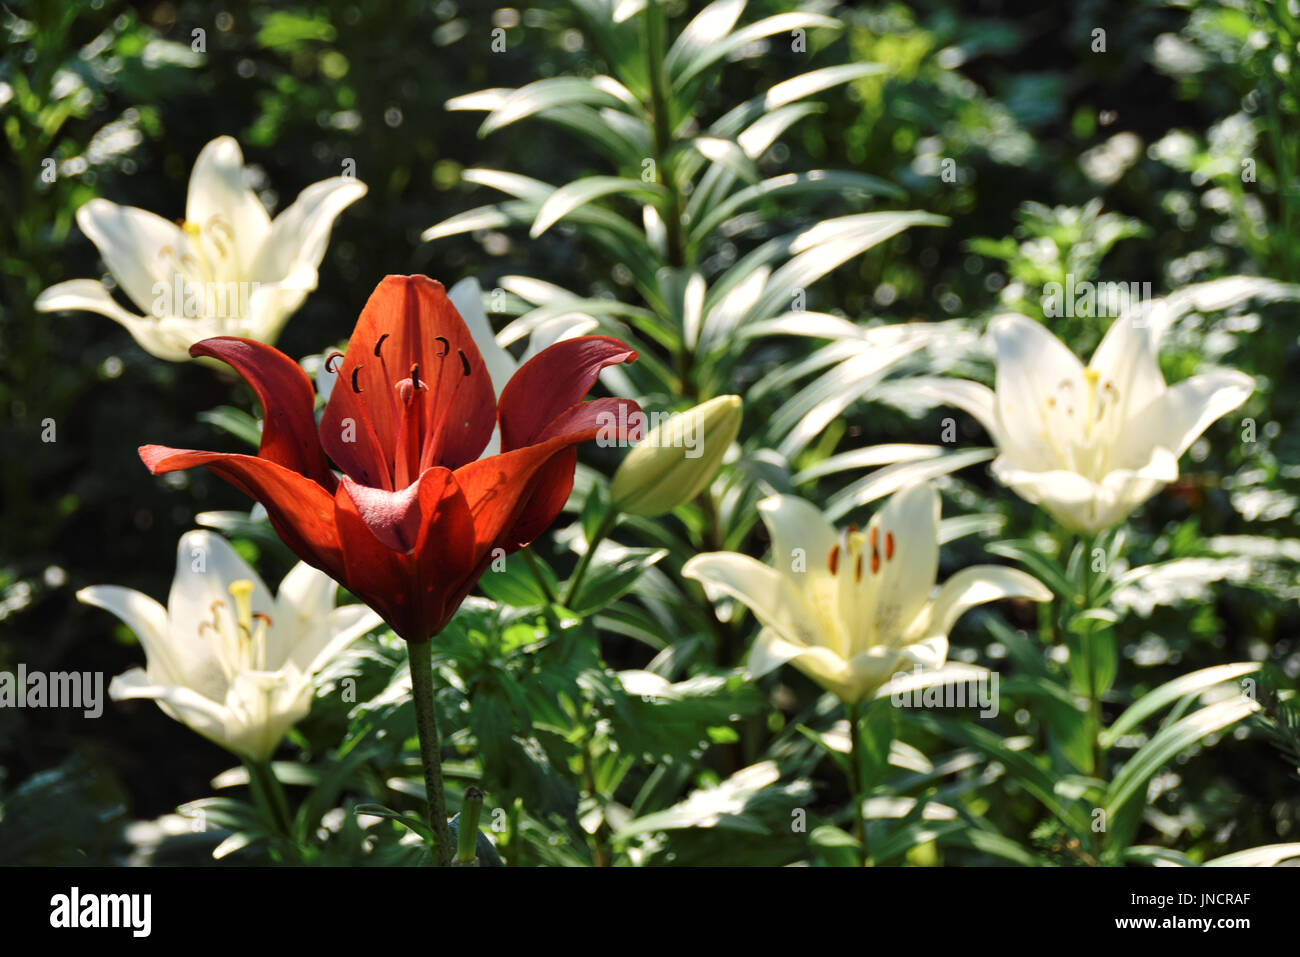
point(426, 724)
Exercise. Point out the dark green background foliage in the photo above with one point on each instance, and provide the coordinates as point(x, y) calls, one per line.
point(1122, 165)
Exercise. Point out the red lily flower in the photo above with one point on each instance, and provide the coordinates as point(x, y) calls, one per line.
point(414, 519)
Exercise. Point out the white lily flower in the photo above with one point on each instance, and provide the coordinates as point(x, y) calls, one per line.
point(226, 269)
point(1089, 444)
point(852, 610)
point(226, 658)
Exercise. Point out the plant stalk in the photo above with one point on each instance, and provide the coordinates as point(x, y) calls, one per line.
point(426, 724)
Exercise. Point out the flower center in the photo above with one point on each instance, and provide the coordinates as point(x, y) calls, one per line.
point(238, 633)
point(207, 256)
point(1080, 425)
point(868, 612)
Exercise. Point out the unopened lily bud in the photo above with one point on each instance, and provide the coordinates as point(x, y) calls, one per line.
point(677, 459)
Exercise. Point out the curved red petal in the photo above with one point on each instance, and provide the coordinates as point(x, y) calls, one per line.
point(288, 427)
point(416, 590)
point(408, 323)
point(606, 421)
point(514, 496)
point(551, 382)
point(301, 511)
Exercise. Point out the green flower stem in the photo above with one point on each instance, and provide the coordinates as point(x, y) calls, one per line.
point(1088, 637)
point(856, 777)
point(655, 29)
point(601, 854)
point(603, 529)
point(270, 797)
point(426, 723)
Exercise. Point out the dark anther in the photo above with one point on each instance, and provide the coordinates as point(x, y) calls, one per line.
point(464, 361)
point(330, 365)
point(415, 375)
point(380, 342)
point(446, 346)
point(356, 388)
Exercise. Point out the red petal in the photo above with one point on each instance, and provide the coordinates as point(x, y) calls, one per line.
point(514, 496)
point(606, 420)
point(394, 517)
point(301, 511)
point(551, 382)
point(416, 591)
point(289, 429)
point(407, 322)
point(551, 488)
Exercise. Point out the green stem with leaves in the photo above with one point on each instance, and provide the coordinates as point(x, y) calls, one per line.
point(606, 526)
point(270, 797)
point(856, 776)
point(426, 724)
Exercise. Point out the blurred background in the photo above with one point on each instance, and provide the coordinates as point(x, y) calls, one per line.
point(1117, 155)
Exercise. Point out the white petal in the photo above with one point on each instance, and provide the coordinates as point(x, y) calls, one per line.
point(908, 526)
point(218, 200)
point(770, 595)
point(92, 296)
point(1177, 418)
point(1068, 496)
point(1033, 367)
point(802, 540)
point(302, 612)
point(262, 707)
point(201, 714)
point(467, 297)
point(822, 665)
point(557, 329)
point(271, 304)
point(801, 535)
point(300, 234)
point(137, 246)
point(346, 625)
point(869, 670)
point(1128, 357)
point(977, 586)
point(144, 616)
point(206, 565)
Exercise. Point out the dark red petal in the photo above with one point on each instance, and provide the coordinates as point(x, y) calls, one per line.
point(408, 322)
point(501, 489)
point(394, 517)
point(413, 590)
point(551, 382)
point(289, 427)
point(301, 511)
point(550, 490)
point(605, 420)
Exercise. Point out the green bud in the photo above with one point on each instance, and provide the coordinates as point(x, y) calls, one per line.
point(677, 459)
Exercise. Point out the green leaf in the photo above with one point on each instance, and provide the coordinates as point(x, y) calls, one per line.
point(235, 421)
point(408, 821)
point(710, 26)
point(614, 570)
point(1167, 743)
point(837, 847)
point(842, 185)
point(580, 192)
point(690, 67)
point(1169, 692)
point(516, 585)
point(554, 91)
